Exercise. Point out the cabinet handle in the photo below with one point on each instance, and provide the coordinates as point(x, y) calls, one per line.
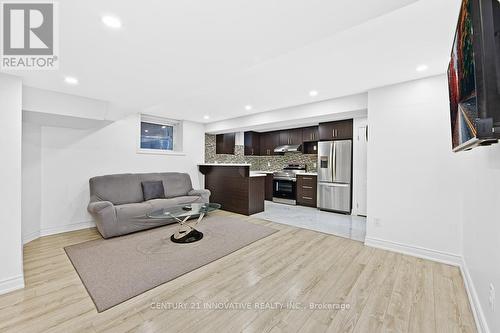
point(307, 178)
point(307, 198)
point(333, 133)
point(306, 186)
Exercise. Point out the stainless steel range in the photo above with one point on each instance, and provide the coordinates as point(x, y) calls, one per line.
point(285, 184)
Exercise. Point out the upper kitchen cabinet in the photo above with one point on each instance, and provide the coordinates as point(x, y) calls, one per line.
point(252, 143)
point(310, 134)
point(269, 141)
point(290, 137)
point(336, 130)
point(224, 143)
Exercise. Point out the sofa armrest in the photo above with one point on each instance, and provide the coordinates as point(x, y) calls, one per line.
point(104, 214)
point(97, 206)
point(204, 194)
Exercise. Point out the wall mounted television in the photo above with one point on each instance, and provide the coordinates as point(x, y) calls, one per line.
point(474, 76)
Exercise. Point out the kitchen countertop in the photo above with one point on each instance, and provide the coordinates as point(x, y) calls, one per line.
point(264, 172)
point(257, 174)
point(271, 172)
point(225, 164)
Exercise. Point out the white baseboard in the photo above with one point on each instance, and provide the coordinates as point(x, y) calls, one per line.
point(31, 237)
point(415, 251)
point(65, 228)
point(57, 230)
point(11, 284)
point(477, 309)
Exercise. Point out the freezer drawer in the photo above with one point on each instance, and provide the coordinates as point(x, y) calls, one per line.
point(334, 197)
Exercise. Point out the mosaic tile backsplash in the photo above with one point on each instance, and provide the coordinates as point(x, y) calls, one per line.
point(260, 163)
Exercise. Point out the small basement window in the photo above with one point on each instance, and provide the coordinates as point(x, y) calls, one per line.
point(160, 135)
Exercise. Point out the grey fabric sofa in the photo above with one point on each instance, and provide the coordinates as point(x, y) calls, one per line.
point(118, 207)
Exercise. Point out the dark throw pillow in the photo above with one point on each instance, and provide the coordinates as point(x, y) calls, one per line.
point(153, 190)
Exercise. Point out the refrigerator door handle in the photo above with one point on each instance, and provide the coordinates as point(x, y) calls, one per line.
point(334, 162)
point(334, 184)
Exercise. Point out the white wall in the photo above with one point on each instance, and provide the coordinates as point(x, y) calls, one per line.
point(11, 256)
point(413, 176)
point(56, 103)
point(31, 181)
point(480, 199)
point(359, 159)
point(69, 157)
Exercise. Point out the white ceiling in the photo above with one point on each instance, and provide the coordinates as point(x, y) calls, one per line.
point(186, 59)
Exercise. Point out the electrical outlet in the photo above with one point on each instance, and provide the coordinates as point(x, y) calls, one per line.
point(268, 164)
point(314, 165)
point(378, 222)
point(492, 297)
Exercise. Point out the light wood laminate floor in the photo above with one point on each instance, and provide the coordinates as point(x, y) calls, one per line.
point(386, 291)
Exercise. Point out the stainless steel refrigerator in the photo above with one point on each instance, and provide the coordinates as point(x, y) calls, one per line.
point(334, 175)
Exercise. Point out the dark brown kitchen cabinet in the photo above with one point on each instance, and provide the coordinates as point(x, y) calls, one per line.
point(310, 134)
point(224, 143)
point(269, 141)
point(269, 187)
point(252, 143)
point(336, 130)
point(307, 190)
point(290, 137)
point(295, 136)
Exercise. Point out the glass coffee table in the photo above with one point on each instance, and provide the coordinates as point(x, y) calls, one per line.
point(186, 232)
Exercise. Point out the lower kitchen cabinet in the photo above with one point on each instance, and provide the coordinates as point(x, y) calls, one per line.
point(306, 190)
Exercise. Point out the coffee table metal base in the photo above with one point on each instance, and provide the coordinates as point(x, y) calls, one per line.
point(186, 233)
point(190, 237)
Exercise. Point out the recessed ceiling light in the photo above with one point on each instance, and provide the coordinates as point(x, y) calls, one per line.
point(313, 93)
point(164, 127)
point(71, 80)
point(422, 68)
point(112, 21)
point(206, 117)
point(146, 131)
point(248, 107)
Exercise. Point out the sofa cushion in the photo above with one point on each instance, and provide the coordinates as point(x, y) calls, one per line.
point(153, 190)
point(178, 184)
point(133, 211)
point(184, 200)
point(158, 204)
point(118, 189)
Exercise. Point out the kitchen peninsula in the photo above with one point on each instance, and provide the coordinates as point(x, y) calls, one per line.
point(235, 187)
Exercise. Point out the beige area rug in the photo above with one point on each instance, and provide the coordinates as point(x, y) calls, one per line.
point(117, 269)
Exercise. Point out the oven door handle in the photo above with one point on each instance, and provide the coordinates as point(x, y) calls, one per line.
point(284, 178)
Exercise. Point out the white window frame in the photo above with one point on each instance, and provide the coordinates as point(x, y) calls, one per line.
point(177, 135)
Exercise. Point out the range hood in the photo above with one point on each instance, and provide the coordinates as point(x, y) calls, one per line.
point(288, 149)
